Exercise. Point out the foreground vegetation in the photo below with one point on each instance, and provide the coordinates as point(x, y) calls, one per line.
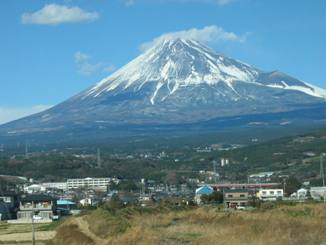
point(22, 233)
point(271, 224)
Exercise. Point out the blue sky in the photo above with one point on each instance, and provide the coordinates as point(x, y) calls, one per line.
point(51, 50)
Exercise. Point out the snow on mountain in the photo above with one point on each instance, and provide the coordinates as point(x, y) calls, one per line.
point(179, 63)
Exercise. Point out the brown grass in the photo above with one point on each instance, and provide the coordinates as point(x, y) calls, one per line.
point(103, 224)
point(70, 235)
point(303, 224)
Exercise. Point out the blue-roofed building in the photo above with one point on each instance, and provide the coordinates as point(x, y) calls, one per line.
point(204, 190)
point(65, 206)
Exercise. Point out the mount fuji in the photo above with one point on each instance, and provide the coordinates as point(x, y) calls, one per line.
point(175, 82)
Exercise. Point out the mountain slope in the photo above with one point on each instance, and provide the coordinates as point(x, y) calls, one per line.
point(175, 82)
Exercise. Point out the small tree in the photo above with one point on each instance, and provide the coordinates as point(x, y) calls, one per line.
point(255, 202)
point(204, 198)
point(127, 185)
point(114, 204)
point(292, 184)
point(216, 197)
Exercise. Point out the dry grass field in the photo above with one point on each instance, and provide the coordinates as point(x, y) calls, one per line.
point(22, 233)
point(301, 224)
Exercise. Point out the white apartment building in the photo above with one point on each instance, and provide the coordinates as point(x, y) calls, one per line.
point(55, 185)
point(270, 194)
point(91, 183)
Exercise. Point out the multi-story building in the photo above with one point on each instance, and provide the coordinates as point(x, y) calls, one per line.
point(235, 198)
point(55, 185)
point(270, 194)
point(90, 183)
point(43, 206)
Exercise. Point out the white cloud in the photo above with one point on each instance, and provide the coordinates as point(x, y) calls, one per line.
point(8, 114)
point(208, 34)
point(81, 57)
point(224, 2)
point(54, 14)
point(130, 2)
point(86, 68)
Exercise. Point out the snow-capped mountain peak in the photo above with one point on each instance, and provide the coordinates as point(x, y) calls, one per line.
point(174, 64)
point(177, 63)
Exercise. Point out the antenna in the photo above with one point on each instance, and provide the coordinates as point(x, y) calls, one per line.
point(99, 163)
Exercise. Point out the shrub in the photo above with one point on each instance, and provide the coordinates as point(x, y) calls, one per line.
point(70, 235)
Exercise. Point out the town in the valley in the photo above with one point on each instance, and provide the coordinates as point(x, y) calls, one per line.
point(25, 200)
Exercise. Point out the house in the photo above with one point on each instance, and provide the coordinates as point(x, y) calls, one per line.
point(235, 198)
point(65, 207)
point(302, 193)
point(41, 205)
point(270, 194)
point(204, 190)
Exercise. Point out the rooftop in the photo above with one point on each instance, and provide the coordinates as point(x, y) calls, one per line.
point(235, 190)
point(38, 198)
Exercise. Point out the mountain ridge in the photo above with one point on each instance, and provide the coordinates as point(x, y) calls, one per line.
point(192, 70)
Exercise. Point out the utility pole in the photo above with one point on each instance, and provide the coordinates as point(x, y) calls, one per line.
point(33, 229)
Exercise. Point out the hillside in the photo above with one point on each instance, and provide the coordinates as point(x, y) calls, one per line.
point(282, 225)
point(293, 155)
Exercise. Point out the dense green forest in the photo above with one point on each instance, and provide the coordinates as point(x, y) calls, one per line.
point(295, 155)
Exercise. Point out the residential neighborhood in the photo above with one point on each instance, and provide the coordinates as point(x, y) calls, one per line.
point(51, 201)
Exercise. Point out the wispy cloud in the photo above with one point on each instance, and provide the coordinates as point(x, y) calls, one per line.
point(129, 2)
point(54, 14)
point(8, 114)
point(218, 2)
point(81, 57)
point(109, 68)
point(224, 2)
point(87, 68)
point(208, 34)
